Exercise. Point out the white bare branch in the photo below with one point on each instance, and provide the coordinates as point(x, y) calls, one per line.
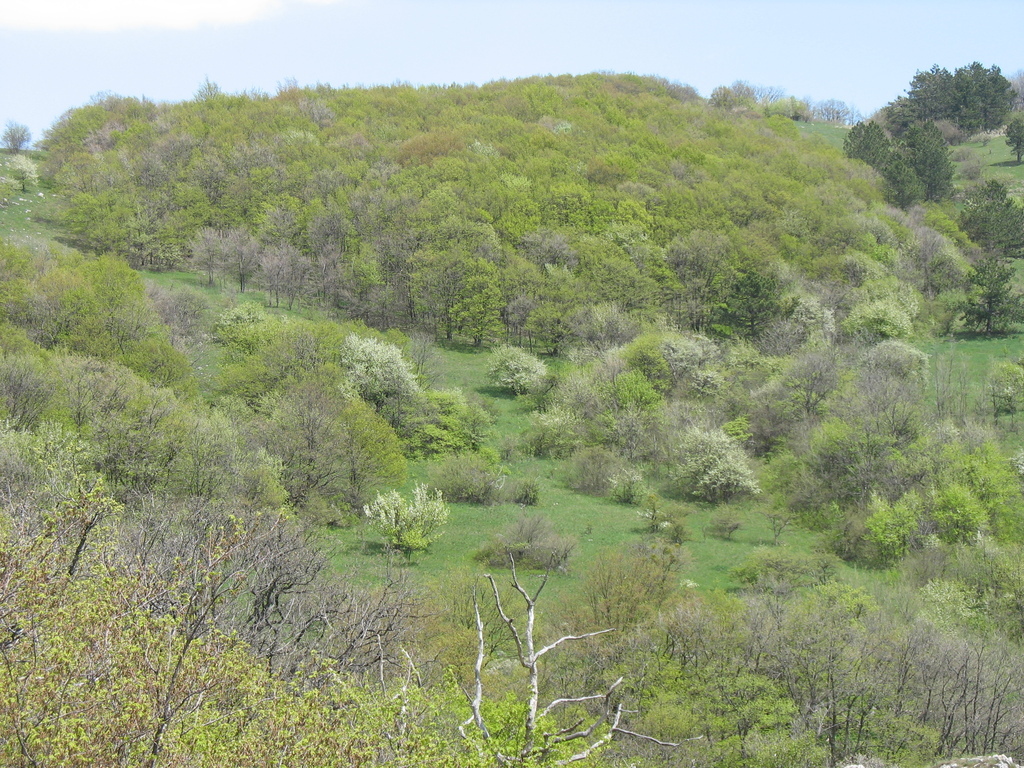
point(561, 640)
point(579, 699)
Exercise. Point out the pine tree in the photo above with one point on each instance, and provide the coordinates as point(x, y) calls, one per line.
point(926, 151)
point(1015, 135)
point(994, 305)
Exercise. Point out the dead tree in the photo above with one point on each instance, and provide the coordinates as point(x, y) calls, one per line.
point(538, 744)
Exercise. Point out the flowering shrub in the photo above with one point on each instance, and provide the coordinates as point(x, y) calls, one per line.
point(408, 525)
point(515, 369)
point(713, 466)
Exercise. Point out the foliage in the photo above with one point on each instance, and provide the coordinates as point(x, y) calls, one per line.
point(532, 543)
point(408, 524)
point(472, 478)
point(712, 466)
point(16, 137)
point(973, 97)
point(1015, 135)
point(515, 369)
point(994, 305)
point(994, 220)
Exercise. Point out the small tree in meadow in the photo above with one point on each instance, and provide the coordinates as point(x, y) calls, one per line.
point(713, 466)
point(515, 369)
point(408, 525)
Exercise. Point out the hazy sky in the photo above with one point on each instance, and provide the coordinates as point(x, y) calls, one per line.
point(60, 53)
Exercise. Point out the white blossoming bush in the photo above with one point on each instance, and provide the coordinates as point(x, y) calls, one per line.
point(899, 360)
point(379, 371)
point(713, 466)
point(515, 369)
point(408, 525)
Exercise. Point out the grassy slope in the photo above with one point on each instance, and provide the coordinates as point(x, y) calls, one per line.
point(29, 218)
point(595, 523)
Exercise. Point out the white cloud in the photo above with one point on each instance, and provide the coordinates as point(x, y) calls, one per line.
point(119, 15)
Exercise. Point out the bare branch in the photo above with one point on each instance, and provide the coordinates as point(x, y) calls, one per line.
point(478, 695)
point(578, 699)
point(561, 640)
point(636, 735)
point(584, 754)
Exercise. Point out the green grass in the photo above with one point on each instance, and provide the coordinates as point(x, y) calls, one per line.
point(998, 162)
point(29, 218)
point(831, 134)
point(596, 524)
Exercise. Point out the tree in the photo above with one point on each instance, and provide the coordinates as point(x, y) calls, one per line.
point(525, 739)
point(928, 155)
point(867, 141)
point(994, 305)
point(16, 137)
point(408, 525)
point(24, 171)
point(1015, 135)
point(713, 466)
point(477, 311)
point(973, 98)
point(994, 220)
point(515, 369)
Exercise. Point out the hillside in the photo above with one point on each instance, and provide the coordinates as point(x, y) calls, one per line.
point(667, 349)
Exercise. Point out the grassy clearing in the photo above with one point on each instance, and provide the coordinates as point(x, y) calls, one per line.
point(597, 524)
point(998, 161)
point(28, 218)
point(831, 134)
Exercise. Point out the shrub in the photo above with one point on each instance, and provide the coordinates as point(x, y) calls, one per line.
point(525, 491)
point(899, 360)
point(713, 466)
point(555, 432)
point(667, 517)
point(516, 370)
point(775, 567)
point(592, 470)
point(724, 524)
point(628, 486)
point(382, 376)
point(469, 478)
point(408, 525)
point(531, 541)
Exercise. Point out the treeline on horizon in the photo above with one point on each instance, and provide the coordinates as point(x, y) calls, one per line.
point(699, 310)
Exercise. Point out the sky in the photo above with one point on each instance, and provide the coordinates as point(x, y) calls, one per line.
point(61, 53)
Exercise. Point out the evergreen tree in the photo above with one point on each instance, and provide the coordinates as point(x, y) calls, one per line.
point(1015, 135)
point(867, 141)
point(928, 155)
point(994, 305)
point(993, 220)
point(902, 186)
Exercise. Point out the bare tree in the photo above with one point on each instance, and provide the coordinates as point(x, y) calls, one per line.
point(534, 743)
point(16, 137)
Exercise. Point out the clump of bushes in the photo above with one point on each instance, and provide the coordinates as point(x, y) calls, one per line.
point(470, 478)
point(531, 541)
point(724, 524)
point(592, 470)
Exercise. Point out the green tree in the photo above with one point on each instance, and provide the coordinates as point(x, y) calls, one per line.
point(867, 141)
point(928, 155)
point(1015, 135)
point(477, 311)
point(994, 305)
point(994, 220)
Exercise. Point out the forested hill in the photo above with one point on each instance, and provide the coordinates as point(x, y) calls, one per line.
point(672, 361)
point(393, 202)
